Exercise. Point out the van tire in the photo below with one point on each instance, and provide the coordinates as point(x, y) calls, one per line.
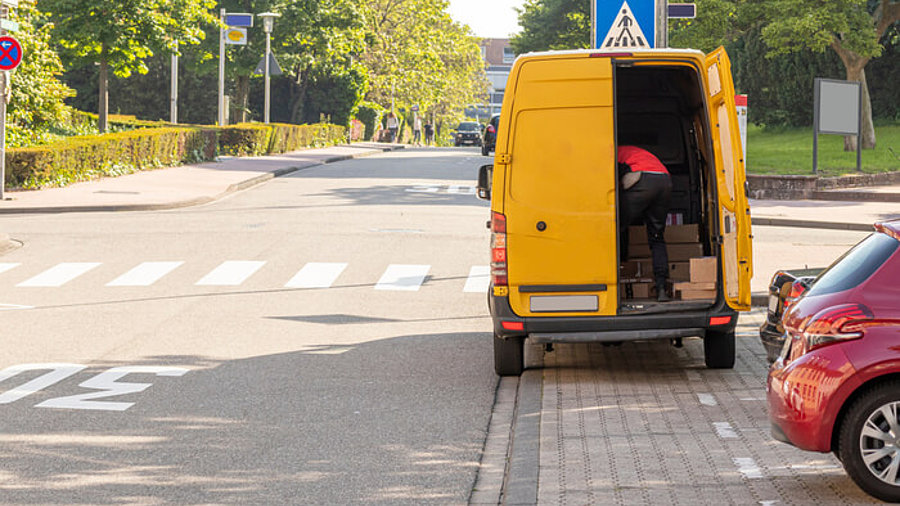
point(509, 355)
point(718, 349)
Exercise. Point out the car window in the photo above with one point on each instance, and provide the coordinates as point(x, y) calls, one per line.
point(468, 127)
point(856, 265)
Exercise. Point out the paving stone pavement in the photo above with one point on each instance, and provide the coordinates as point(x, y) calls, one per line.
point(647, 423)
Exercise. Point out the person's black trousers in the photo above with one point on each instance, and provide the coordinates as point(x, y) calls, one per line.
point(648, 202)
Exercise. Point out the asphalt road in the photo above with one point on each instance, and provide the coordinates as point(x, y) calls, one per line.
point(320, 339)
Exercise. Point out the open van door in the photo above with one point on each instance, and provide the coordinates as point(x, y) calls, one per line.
point(734, 209)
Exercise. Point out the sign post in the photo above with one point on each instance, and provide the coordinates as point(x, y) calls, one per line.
point(10, 58)
point(838, 110)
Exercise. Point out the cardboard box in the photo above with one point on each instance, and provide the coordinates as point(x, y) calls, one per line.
point(688, 286)
point(704, 270)
point(637, 290)
point(677, 252)
point(697, 294)
point(675, 234)
point(680, 271)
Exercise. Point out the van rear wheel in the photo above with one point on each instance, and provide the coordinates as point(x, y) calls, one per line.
point(509, 355)
point(718, 349)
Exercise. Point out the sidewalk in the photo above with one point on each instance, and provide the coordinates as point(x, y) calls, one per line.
point(175, 187)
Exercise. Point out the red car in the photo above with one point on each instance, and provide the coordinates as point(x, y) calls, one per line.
point(836, 385)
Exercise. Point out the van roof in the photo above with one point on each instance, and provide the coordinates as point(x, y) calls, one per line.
point(668, 52)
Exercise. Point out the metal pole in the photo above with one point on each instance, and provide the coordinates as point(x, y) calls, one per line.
point(222, 70)
point(859, 130)
point(817, 84)
point(594, 44)
point(173, 106)
point(4, 77)
point(268, 46)
point(662, 24)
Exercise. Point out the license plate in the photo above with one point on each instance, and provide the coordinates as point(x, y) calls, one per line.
point(786, 349)
point(773, 304)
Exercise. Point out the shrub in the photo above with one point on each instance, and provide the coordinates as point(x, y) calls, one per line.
point(370, 114)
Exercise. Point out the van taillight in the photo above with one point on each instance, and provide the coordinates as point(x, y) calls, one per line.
point(834, 324)
point(498, 250)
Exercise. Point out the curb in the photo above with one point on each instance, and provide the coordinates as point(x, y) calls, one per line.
point(521, 477)
point(236, 187)
point(832, 225)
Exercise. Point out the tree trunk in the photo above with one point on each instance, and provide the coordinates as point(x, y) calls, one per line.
point(242, 90)
point(856, 71)
point(103, 108)
point(299, 98)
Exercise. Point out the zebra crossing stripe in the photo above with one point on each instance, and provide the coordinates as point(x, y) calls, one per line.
point(479, 279)
point(231, 273)
point(406, 278)
point(145, 274)
point(7, 266)
point(59, 274)
point(316, 275)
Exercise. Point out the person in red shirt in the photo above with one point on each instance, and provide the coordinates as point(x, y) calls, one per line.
point(647, 193)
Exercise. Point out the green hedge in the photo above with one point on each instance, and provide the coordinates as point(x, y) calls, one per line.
point(249, 139)
point(87, 157)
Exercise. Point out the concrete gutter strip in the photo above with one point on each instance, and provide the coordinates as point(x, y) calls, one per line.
point(521, 486)
point(832, 225)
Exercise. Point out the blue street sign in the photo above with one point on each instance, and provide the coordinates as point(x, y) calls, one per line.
point(624, 24)
point(682, 11)
point(241, 20)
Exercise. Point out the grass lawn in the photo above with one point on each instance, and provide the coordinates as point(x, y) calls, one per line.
point(789, 151)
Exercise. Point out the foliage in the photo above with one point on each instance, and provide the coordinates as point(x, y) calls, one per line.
point(88, 157)
point(369, 113)
point(122, 34)
point(37, 95)
point(417, 55)
point(259, 139)
point(553, 24)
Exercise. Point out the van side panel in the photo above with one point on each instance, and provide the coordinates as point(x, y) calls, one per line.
point(560, 199)
point(734, 209)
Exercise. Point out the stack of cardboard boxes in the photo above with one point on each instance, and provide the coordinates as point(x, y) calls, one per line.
point(694, 275)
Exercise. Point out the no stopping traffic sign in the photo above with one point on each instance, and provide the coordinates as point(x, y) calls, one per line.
point(10, 53)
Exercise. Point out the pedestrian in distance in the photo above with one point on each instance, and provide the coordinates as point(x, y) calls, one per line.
point(417, 131)
point(393, 126)
point(429, 133)
point(647, 193)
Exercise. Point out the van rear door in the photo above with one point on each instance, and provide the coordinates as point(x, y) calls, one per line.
point(560, 201)
point(734, 209)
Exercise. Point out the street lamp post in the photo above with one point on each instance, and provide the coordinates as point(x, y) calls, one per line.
point(268, 23)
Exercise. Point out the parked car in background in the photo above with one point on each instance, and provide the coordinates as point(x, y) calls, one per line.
point(785, 287)
point(489, 138)
point(835, 387)
point(467, 133)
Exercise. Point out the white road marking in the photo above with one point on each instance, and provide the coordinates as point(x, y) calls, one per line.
point(316, 275)
point(231, 273)
point(59, 274)
point(145, 274)
point(461, 189)
point(13, 307)
point(406, 278)
point(7, 266)
point(707, 400)
point(747, 466)
point(479, 279)
point(107, 381)
point(724, 430)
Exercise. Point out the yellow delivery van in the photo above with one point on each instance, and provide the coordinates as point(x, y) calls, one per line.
point(557, 270)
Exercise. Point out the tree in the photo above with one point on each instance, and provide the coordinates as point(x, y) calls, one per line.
point(852, 28)
point(417, 55)
point(37, 101)
point(553, 24)
point(121, 34)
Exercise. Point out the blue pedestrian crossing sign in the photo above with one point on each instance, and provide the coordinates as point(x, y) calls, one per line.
point(620, 24)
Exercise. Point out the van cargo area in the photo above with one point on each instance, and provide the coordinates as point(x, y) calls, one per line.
point(661, 109)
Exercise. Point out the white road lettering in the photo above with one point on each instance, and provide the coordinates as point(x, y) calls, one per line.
point(107, 381)
point(58, 372)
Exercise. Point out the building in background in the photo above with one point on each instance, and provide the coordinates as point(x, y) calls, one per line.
point(498, 59)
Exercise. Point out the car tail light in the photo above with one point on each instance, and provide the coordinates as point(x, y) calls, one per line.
point(835, 324)
point(498, 250)
point(797, 289)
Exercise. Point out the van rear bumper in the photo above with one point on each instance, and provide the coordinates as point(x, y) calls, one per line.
point(632, 327)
